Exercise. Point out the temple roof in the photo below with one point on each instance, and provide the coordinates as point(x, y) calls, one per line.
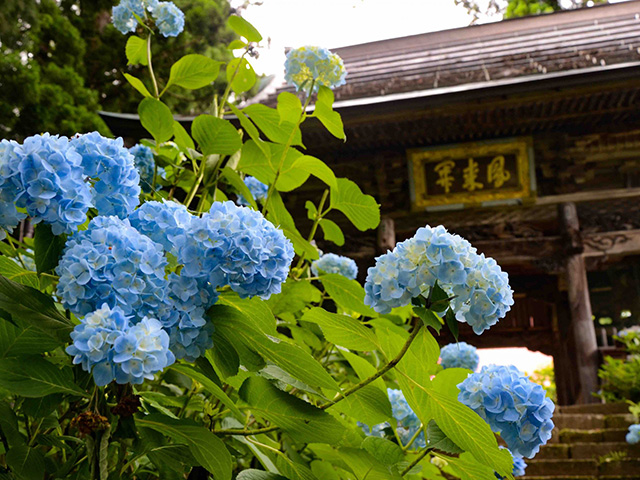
point(568, 41)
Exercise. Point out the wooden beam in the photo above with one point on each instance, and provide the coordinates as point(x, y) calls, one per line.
point(582, 330)
point(593, 195)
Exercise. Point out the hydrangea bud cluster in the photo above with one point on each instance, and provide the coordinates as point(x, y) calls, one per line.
point(168, 18)
point(314, 64)
point(332, 263)
point(258, 190)
point(237, 246)
point(633, 436)
point(44, 176)
point(459, 355)
point(512, 405)
point(112, 263)
point(481, 289)
point(407, 421)
point(146, 165)
point(109, 165)
point(109, 345)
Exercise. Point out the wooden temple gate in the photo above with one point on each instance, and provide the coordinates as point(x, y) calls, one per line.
point(565, 224)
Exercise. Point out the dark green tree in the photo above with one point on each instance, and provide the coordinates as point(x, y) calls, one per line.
point(62, 61)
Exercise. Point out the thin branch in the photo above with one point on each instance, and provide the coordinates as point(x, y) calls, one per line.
point(415, 462)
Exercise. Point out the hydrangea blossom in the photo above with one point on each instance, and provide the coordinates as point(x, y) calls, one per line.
point(145, 163)
point(512, 405)
point(237, 246)
point(258, 189)
point(43, 175)
point(635, 330)
point(459, 355)
point(10, 189)
point(481, 288)
point(307, 64)
point(112, 263)
point(332, 263)
point(634, 434)
point(407, 421)
point(169, 18)
point(110, 166)
point(107, 343)
point(163, 222)
point(123, 14)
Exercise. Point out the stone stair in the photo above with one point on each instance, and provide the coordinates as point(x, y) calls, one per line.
point(588, 443)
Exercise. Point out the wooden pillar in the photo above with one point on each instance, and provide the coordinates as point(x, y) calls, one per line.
point(582, 330)
point(386, 235)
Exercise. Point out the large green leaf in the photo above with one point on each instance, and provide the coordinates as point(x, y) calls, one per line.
point(252, 474)
point(209, 385)
point(293, 470)
point(233, 179)
point(9, 425)
point(205, 447)
point(26, 463)
point(244, 28)
point(137, 84)
point(368, 405)
point(241, 75)
point(268, 120)
point(332, 232)
point(181, 137)
point(327, 115)
point(194, 71)
point(364, 369)
point(24, 339)
point(47, 248)
point(216, 135)
point(342, 330)
point(255, 309)
point(136, 51)
point(468, 468)
point(366, 466)
point(383, 450)
point(439, 441)
point(254, 162)
point(347, 293)
point(316, 167)
point(15, 272)
point(249, 339)
point(157, 119)
point(289, 107)
point(361, 209)
point(251, 129)
point(295, 295)
point(35, 308)
point(301, 420)
point(280, 217)
point(33, 376)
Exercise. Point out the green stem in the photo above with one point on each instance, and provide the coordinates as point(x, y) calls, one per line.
point(227, 91)
point(316, 221)
point(413, 439)
point(415, 462)
point(392, 363)
point(287, 146)
point(238, 431)
point(153, 77)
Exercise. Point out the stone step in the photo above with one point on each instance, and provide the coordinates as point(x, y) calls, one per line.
point(592, 421)
point(570, 468)
point(596, 450)
point(601, 408)
point(589, 436)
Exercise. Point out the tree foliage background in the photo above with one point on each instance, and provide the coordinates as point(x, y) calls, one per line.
point(62, 61)
point(521, 8)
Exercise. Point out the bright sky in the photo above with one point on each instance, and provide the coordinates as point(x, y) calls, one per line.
point(524, 359)
point(337, 23)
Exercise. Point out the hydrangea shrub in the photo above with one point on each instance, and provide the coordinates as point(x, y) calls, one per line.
point(155, 329)
point(459, 355)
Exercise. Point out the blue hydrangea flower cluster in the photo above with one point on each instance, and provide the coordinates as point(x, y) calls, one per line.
point(169, 19)
point(481, 288)
point(236, 246)
point(165, 222)
point(109, 345)
point(307, 64)
point(633, 436)
point(332, 263)
point(10, 189)
point(407, 421)
point(512, 405)
point(459, 355)
point(258, 189)
point(109, 165)
point(43, 175)
point(112, 263)
point(146, 165)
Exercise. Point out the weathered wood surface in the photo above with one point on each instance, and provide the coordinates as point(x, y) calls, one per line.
point(582, 329)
